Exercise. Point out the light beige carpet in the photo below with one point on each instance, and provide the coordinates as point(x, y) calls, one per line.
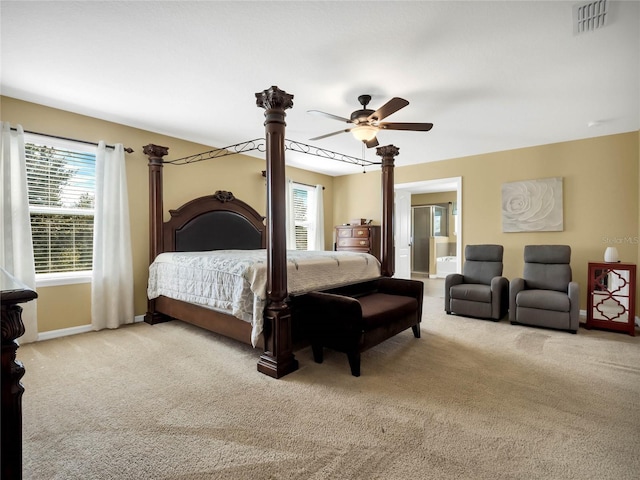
point(471, 399)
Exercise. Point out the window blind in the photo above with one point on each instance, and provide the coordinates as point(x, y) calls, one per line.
point(300, 209)
point(61, 186)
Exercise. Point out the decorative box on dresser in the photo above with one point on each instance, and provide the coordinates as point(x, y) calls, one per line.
point(611, 296)
point(359, 238)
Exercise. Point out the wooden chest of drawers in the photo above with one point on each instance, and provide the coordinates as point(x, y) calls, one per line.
point(359, 238)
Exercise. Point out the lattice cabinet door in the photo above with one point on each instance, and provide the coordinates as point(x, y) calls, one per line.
point(611, 296)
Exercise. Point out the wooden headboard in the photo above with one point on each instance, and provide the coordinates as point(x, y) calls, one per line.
point(214, 222)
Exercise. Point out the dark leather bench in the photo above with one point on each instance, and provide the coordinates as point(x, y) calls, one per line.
point(356, 317)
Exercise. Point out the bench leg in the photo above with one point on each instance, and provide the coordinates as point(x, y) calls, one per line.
point(318, 355)
point(354, 363)
point(416, 330)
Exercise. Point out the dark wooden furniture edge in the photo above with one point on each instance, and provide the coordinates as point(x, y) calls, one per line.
point(12, 371)
point(212, 320)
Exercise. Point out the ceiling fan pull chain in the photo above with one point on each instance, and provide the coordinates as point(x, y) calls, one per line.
point(364, 150)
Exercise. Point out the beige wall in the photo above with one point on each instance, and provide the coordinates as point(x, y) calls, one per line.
point(600, 187)
point(433, 198)
point(239, 174)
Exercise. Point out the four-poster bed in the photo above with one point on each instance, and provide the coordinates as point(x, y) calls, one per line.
point(222, 222)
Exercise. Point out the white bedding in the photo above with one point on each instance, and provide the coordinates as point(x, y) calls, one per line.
point(235, 281)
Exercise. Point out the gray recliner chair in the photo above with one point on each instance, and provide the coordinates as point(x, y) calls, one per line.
point(480, 291)
point(545, 296)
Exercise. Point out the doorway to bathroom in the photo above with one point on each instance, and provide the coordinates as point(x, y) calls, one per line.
point(428, 223)
point(445, 192)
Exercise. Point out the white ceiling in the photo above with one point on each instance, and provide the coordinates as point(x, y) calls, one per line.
point(490, 75)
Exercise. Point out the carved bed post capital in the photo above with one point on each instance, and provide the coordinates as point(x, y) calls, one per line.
point(388, 154)
point(155, 152)
point(274, 99)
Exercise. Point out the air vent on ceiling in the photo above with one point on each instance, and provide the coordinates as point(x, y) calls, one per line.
point(588, 17)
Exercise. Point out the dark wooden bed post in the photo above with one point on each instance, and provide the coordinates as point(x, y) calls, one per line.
point(277, 359)
point(155, 154)
point(388, 154)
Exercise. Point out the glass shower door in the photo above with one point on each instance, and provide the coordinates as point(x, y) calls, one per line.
point(421, 232)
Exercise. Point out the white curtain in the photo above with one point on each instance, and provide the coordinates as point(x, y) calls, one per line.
point(291, 217)
point(318, 240)
point(112, 281)
point(16, 252)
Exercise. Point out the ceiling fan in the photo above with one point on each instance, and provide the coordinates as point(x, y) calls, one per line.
point(367, 123)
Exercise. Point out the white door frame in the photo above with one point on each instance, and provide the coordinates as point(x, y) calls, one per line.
point(439, 185)
point(402, 233)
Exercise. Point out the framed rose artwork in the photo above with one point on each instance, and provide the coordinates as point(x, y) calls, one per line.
point(532, 206)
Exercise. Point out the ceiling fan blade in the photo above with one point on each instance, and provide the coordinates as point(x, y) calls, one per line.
point(329, 115)
point(388, 108)
point(330, 134)
point(372, 143)
point(418, 127)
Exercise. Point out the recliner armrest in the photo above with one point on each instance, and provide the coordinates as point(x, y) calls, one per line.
point(574, 298)
point(453, 279)
point(515, 286)
point(449, 281)
point(499, 296)
point(498, 283)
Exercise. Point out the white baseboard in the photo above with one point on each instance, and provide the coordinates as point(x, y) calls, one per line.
point(64, 332)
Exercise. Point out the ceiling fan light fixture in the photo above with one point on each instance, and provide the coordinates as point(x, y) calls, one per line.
point(366, 123)
point(364, 133)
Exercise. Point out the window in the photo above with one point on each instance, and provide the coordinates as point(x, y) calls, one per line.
point(61, 188)
point(304, 199)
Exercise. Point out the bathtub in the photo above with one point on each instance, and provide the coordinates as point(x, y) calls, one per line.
point(445, 266)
